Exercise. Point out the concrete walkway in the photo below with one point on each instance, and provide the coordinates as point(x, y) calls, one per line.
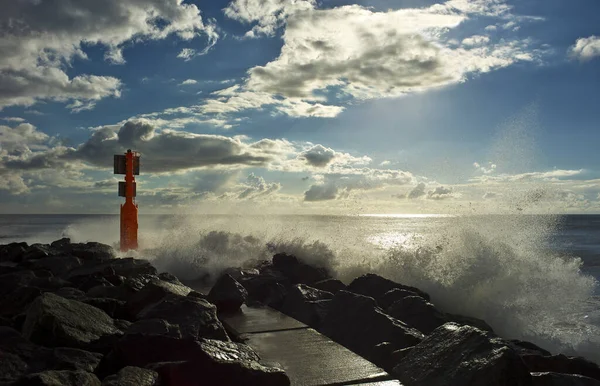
point(308, 357)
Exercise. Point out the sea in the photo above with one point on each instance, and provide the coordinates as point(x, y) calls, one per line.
point(531, 277)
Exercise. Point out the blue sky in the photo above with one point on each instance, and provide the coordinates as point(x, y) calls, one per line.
point(302, 106)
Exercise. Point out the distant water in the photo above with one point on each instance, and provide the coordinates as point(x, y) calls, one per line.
point(530, 277)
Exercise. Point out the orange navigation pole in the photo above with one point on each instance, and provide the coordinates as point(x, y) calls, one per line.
point(129, 164)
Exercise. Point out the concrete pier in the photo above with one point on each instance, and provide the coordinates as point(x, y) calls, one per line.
point(308, 357)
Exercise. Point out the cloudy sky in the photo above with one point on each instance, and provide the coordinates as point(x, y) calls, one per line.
point(301, 106)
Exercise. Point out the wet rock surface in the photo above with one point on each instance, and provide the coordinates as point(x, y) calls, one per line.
point(558, 379)
point(132, 376)
point(227, 294)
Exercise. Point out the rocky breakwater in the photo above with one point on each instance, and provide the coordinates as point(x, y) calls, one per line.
point(74, 314)
point(398, 328)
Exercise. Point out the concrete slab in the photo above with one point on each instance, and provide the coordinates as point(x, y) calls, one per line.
point(310, 358)
point(252, 320)
point(382, 383)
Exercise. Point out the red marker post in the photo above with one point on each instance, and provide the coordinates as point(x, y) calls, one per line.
point(128, 164)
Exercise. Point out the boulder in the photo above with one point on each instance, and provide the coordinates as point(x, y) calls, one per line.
point(70, 293)
point(356, 322)
point(393, 296)
point(469, 321)
point(120, 292)
point(329, 285)
point(65, 358)
point(116, 309)
point(561, 364)
point(10, 281)
point(90, 251)
point(54, 321)
point(268, 288)
point(376, 287)
point(16, 302)
point(127, 267)
point(455, 355)
point(59, 378)
point(557, 379)
point(61, 244)
point(306, 304)
point(241, 273)
point(154, 291)
point(220, 363)
point(38, 251)
point(132, 376)
point(169, 278)
point(297, 271)
point(227, 294)
point(197, 318)
point(418, 313)
point(12, 252)
point(154, 327)
point(526, 348)
point(58, 265)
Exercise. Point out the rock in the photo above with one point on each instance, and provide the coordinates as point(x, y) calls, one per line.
point(61, 244)
point(329, 285)
point(70, 293)
point(58, 265)
point(306, 304)
point(523, 348)
point(557, 379)
point(116, 309)
point(154, 291)
point(165, 276)
point(393, 296)
point(10, 281)
point(268, 288)
point(561, 364)
point(12, 252)
point(17, 301)
point(241, 273)
point(90, 251)
point(120, 292)
point(132, 376)
point(59, 378)
point(86, 283)
point(154, 327)
point(297, 271)
point(223, 363)
point(418, 313)
point(462, 355)
point(54, 321)
point(38, 251)
point(227, 294)
point(356, 322)
point(197, 318)
point(381, 355)
point(469, 321)
point(127, 267)
point(64, 358)
point(376, 287)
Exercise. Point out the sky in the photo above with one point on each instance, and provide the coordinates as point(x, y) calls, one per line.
point(301, 106)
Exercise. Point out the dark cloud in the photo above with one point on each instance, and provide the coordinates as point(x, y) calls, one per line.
point(321, 192)
point(440, 193)
point(417, 191)
point(318, 156)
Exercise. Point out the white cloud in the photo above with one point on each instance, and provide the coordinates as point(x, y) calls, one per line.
point(417, 191)
point(586, 48)
point(553, 175)
point(485, 169)
point(187, 54)
point(40, 38)
point(362, 54)
point(188, 82)
point(441, 193)
point(13, 119)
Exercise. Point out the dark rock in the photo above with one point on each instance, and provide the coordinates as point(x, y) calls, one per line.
point(329, 285)
point(70, 293)
point(54, 321)
point(127, 267)
point(526, 348)
point(58, 265)
point(356, 322)
point(12, 252)
point(306, 304)
point(557, 379)
point(297, 271)
point(61, 244)
point(417, 313)
point(86, 283)
point(561, 364)
point(59, 378)
point(393, 296)
point(224, 363)
point(197, 318)
point(132, 376)
point(154, 327)
point(154, 291)
point(10, 281)
point(6, 322)
point(90, 251)
point(114, 308)
point(227, 294)
point(65, 358)
point(120, 292)
point(462, 355)
point(268, 288)
point(468, 321)
point(169, 278)
point(381, 355)
point(241, 273)
point(38, 251)
point(376, 287)
point(17, 301)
